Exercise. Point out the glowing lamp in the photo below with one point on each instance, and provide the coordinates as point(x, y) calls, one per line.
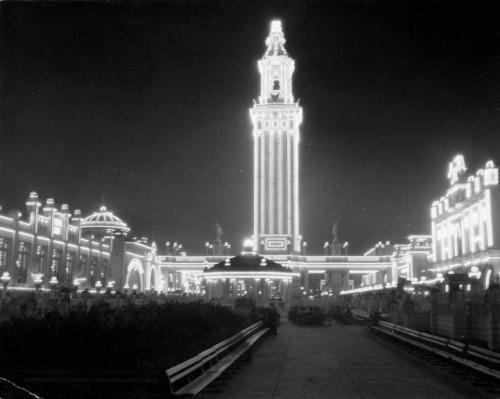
point(5, 279)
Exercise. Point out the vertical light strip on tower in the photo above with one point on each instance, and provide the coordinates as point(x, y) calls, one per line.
point(289, 227)
point(280, 182)
point(296, 193)
point(261, 186)
point(255, 183)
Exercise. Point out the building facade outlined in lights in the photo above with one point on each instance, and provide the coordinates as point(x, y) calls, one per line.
point(276, 118)
point(465, 225)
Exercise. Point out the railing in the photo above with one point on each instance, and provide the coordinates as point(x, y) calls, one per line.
point(481, 360)
point(190, 377)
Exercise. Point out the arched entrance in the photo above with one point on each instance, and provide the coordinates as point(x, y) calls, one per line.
point(135, 274)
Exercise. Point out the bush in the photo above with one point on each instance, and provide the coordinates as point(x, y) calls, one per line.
point(148, 336)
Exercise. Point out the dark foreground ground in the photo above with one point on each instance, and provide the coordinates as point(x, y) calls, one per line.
point(339, 361)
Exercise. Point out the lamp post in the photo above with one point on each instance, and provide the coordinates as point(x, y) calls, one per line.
point(76, 284)
point(304, 248)
point(37, 280)
point(53, 283)
point(167, 245)
point(207, 247)
point(98, 286)
point(346, 248)
point(326, 247)
point(5, 279)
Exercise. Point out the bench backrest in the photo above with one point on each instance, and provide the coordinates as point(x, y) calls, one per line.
point(181, 374)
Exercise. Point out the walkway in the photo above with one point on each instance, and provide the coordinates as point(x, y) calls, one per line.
point(340, 361)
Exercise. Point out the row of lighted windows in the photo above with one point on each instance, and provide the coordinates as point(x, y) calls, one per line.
point(275, 124)
point(275, 114)
point(53, 265)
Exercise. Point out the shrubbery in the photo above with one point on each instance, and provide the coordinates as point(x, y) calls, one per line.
point(149, 336)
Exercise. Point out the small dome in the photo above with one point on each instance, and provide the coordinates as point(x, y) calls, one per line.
point(104, 219)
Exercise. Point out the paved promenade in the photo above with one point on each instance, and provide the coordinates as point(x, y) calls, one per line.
point(339, 361)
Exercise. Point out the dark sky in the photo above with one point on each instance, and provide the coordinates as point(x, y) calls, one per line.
point(144, 107)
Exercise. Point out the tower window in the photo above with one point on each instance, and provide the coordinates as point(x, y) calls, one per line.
point(276, 85)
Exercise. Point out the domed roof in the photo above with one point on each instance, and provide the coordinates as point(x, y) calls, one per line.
point(104, 219)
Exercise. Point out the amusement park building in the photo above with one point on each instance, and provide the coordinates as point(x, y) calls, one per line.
point(51, 247)
point(466, 224)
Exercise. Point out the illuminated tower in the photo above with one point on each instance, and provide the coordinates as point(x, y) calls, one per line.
point(276, 118)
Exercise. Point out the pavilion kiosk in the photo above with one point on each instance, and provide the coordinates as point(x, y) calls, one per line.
point(251, 276)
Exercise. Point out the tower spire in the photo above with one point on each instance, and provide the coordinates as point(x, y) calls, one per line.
point(275, 42)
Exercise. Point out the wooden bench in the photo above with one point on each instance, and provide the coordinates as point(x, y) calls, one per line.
point(190, 377)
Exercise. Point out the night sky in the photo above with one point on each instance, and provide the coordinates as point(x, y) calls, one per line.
point(144, 107)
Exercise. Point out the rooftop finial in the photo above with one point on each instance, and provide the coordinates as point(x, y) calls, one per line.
point(456, 169)
point(275, 42)
point(275, 26)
